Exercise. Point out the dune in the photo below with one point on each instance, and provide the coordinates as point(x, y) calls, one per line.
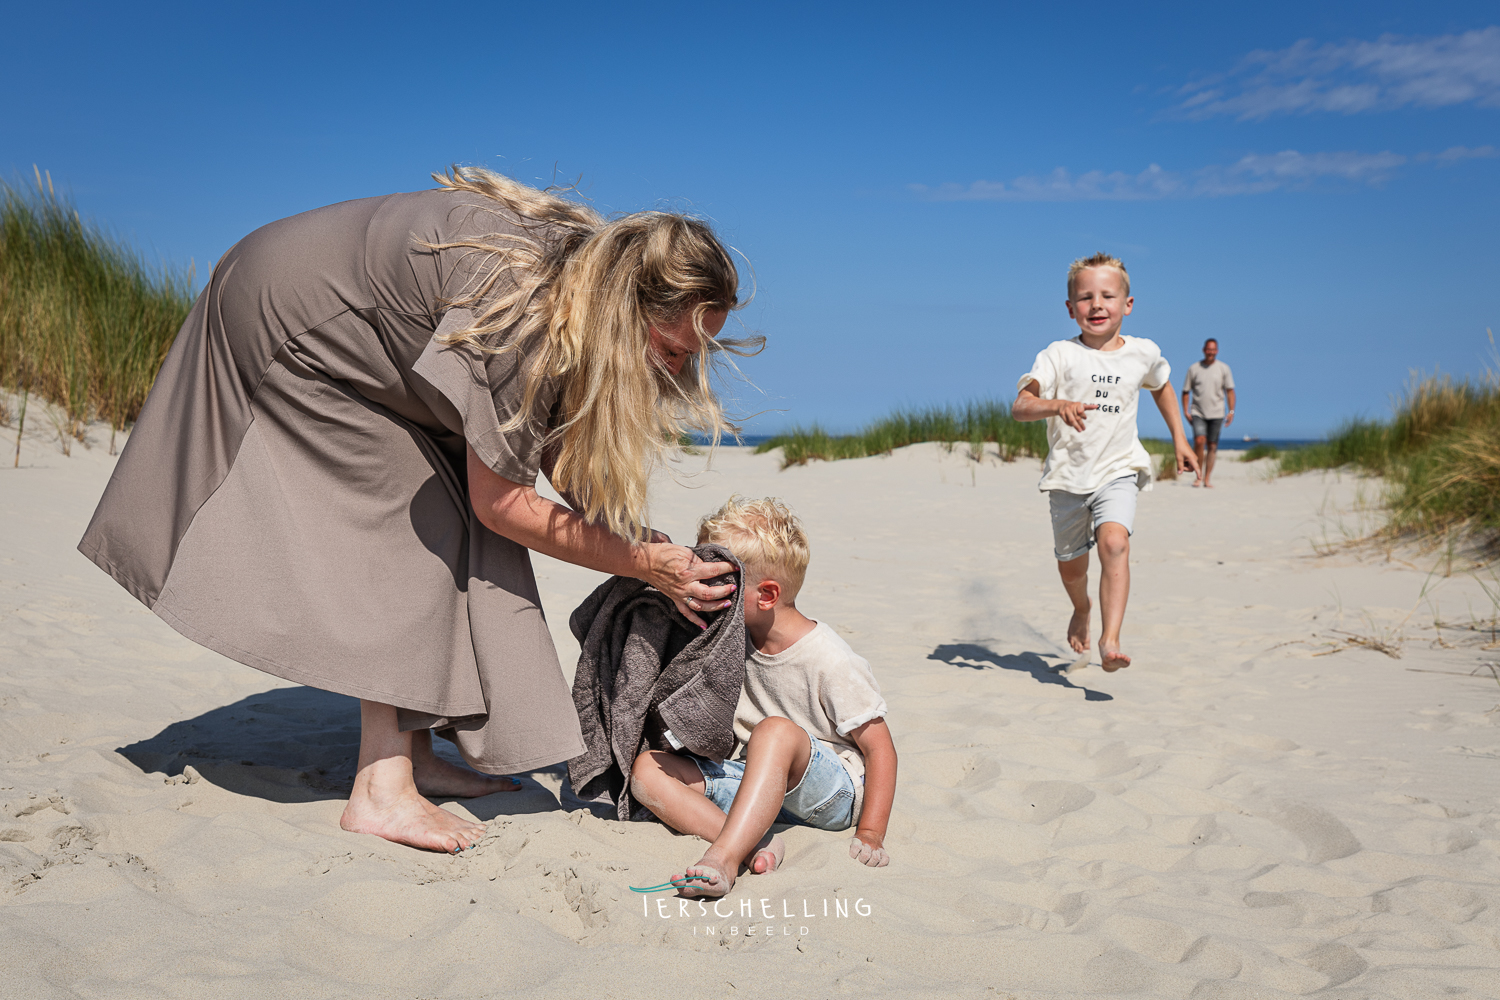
point(1265, 804)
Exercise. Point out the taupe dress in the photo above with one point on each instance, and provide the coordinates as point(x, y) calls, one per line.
point(293, 495)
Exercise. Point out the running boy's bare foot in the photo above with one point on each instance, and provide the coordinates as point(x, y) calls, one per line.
point(1113, 658)
point(768, 855)
point(385, 803)
point(1078, 629)
point(443, 779)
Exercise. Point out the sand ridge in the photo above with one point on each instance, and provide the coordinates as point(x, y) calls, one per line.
point(1232, 816)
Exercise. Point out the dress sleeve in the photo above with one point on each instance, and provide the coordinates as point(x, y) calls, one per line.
point(1044, 373)
point(485, 392)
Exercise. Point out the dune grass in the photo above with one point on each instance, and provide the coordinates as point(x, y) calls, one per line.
point(973, 423)
point(1256, 452)
point(84, 321)
point(1439, 454)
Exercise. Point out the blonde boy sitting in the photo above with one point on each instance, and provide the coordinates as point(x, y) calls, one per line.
point(813, 746)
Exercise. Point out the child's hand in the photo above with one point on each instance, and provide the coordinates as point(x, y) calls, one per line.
point(1187, 459)
point(867, 848)
point(1073, 413)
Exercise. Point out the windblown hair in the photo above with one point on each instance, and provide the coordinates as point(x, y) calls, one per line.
point(1098, 260)
point(578, 300)
point(764, 535)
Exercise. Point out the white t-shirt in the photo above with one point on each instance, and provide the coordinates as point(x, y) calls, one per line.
point(1109, 446)
point(822, 685)
point(1210, 385)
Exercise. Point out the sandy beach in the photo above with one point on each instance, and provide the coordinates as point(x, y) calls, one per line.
point(1264, 805)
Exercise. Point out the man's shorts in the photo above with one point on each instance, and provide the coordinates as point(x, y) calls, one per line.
point(1076, 516)
point(1207, 427)
point(824, 798)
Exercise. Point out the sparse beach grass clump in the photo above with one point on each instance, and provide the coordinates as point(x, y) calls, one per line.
point(1256, 452)
point(1439, 455)
point(976, 424)
point(85, 322)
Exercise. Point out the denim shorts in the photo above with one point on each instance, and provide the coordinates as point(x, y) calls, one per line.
point(1208, 428)
point(824, 798)
point(1076, 516)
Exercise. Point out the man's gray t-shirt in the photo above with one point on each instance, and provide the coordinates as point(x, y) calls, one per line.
point(1209, 384)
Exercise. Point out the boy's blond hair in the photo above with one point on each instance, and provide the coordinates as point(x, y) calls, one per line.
point(1098, 260)
point(764, 535)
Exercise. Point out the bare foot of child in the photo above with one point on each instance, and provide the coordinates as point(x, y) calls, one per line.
point(706, 878)
point(768, 855)
point(1113, 658)
point(1078, 629)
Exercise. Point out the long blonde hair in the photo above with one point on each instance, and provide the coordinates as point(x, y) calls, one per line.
point(584, 294)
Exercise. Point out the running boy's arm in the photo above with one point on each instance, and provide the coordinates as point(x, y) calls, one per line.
point(874, 742)
point(1166, 402)
point(1030, 406)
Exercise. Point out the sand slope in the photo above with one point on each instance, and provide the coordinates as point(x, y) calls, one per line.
point(1232, 817)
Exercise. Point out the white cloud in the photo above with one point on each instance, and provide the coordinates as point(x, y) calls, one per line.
point(1254, 174)
point(1352, 77)
point(1454, 154)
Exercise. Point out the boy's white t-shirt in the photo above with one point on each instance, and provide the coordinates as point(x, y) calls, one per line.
point(1109, 447)
point(822, 685)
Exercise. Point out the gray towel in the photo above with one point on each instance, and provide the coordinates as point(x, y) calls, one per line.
point(644, 669)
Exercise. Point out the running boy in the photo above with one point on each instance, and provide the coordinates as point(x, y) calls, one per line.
point(813, 746)
point(1087, 389)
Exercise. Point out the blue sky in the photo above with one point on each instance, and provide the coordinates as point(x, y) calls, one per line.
point(1314, 184)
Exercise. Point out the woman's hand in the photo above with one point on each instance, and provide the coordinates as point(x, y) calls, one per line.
point(679, 573)
point(518, 513)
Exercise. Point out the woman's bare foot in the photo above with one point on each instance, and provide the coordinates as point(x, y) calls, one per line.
point(1113, 658)
point(385, 802)
point(768, 854)
point(443, 779)
point(704, 879)
point(1078, 629)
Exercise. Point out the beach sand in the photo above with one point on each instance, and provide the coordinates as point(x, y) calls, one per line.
point(1259, 807)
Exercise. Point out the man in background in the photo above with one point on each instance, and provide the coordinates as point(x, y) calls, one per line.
point(1210, 385)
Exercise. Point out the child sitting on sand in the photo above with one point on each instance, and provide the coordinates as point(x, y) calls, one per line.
point(1087, 388)
point(813, 744)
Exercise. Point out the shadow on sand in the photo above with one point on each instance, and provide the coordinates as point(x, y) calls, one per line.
point(299, 744)
point(977, 657)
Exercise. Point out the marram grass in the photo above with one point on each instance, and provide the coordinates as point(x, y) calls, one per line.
point(973, 423)
point(1439, 454)
point(84, 321)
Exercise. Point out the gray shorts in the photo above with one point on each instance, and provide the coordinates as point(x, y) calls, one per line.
point(1076, 516)
point(1208, 428)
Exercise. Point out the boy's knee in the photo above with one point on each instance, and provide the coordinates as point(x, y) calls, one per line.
point(776, 727)
point(1074, 569)
point(645, 765)
point(1112, 540)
